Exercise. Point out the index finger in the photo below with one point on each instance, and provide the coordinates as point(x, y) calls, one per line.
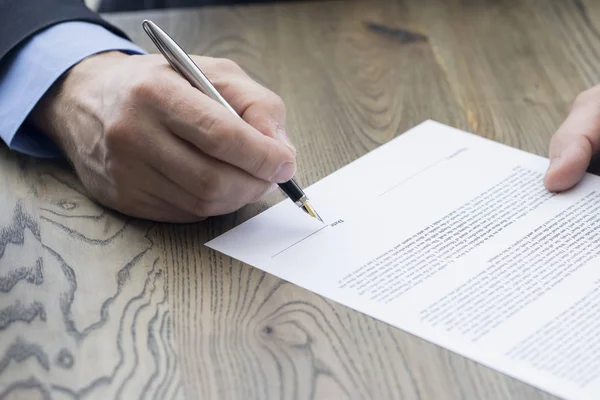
point(259, 106)
point(218, 133)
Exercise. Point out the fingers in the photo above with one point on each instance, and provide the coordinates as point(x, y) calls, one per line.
point(205, 203)
point(156, 209)
point(169, 202)
point(143, 193)
point(257, 105)
point(154, 162)
point(211, 128)
point(213, 187)
point(146, 192)
point(150, 145)
point(575, 142)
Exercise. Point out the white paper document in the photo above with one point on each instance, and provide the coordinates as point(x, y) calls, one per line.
point(453, 238)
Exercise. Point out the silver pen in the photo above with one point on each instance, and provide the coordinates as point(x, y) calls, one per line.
point(181, 62)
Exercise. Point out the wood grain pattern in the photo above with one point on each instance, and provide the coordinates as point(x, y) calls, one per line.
point(95, 305)
point(354, 75)
point(83, 299)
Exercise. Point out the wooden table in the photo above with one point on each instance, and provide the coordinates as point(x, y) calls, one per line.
point(97, 305)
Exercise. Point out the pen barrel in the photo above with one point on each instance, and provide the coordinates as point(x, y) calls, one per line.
point(292, 190)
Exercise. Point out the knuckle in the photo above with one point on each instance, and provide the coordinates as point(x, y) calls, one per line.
point(275, 102)
point(226, 65)
point(272, 108)
point(121, 136)
point(118, 133)
point(143, 89)
point(217, 139)
point(268, 112)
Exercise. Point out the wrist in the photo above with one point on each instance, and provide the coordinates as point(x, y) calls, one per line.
point(71, 102)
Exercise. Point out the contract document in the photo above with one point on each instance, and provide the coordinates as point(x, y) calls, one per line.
point(453, 238)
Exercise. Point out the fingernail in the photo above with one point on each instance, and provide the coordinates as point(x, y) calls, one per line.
point(554, 162)
point(284, 173)
point(282, 135)
point(272, 187)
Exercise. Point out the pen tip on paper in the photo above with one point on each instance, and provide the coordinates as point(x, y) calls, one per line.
point(311, 211)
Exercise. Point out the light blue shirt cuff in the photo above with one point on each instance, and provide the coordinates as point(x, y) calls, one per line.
point(35, 66)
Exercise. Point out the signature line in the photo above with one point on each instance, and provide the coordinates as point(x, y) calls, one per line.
point(424, 169)
point(301, 240)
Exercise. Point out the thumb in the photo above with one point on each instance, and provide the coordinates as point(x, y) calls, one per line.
point(574, 143)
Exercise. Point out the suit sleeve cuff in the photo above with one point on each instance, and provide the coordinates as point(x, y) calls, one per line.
point(32, 69)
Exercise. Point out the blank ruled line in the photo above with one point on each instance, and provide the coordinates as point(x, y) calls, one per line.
point(454, 154)
point(301, 240)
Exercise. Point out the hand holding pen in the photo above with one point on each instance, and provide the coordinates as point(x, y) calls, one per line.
point(146, 143)
point(182, 63)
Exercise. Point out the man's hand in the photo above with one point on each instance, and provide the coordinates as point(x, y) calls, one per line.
point(575, 142)
point(146, 143)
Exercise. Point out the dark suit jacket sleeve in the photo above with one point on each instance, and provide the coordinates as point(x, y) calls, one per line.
point(20, 19)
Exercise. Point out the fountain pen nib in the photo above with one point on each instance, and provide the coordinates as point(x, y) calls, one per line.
point(311, 211)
